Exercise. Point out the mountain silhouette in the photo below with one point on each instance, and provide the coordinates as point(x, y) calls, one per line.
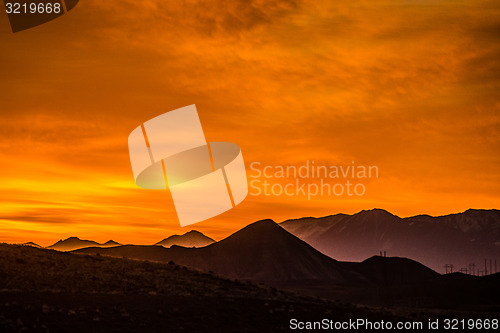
point(43, 290)
point(72, 243)
point(31, 244)
point(262, 251)
point(458, 239)
point(192, 238)
point(265, 252)
point(110, 243)
point(385, 271)
point(75, 243)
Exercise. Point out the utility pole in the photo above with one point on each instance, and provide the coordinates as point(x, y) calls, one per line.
point(485, 268)
point(473, 266)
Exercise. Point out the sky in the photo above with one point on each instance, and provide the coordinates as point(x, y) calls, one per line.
point(411, 87)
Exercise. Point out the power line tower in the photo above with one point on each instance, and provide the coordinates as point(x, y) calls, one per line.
point(449, 268)
point(472, 269)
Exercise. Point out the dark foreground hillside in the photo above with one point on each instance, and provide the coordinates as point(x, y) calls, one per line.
point(264, 252)
point(49, 291)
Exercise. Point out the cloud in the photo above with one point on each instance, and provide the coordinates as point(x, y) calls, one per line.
point(410, 86)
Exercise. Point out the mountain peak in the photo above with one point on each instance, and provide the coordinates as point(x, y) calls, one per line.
point(31, 244)
point(72, 243)
point(193, 232)
point(376, 211)
point(111, 243)
point(266, 223)
point(192, 238)
point(258, 233)
point(262, 227)
point(481, 210)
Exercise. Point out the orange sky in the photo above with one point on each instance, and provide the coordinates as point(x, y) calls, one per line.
point(409, 86)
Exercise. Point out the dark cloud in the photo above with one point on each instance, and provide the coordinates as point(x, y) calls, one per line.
point(54, 215)
point(213, 18)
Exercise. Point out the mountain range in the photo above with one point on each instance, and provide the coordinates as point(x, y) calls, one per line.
point(192, 238)
point(264, 252)
point(459, 239)
point(464, 240)
point(277, 255)
point(74, 243)
point(261, 252)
